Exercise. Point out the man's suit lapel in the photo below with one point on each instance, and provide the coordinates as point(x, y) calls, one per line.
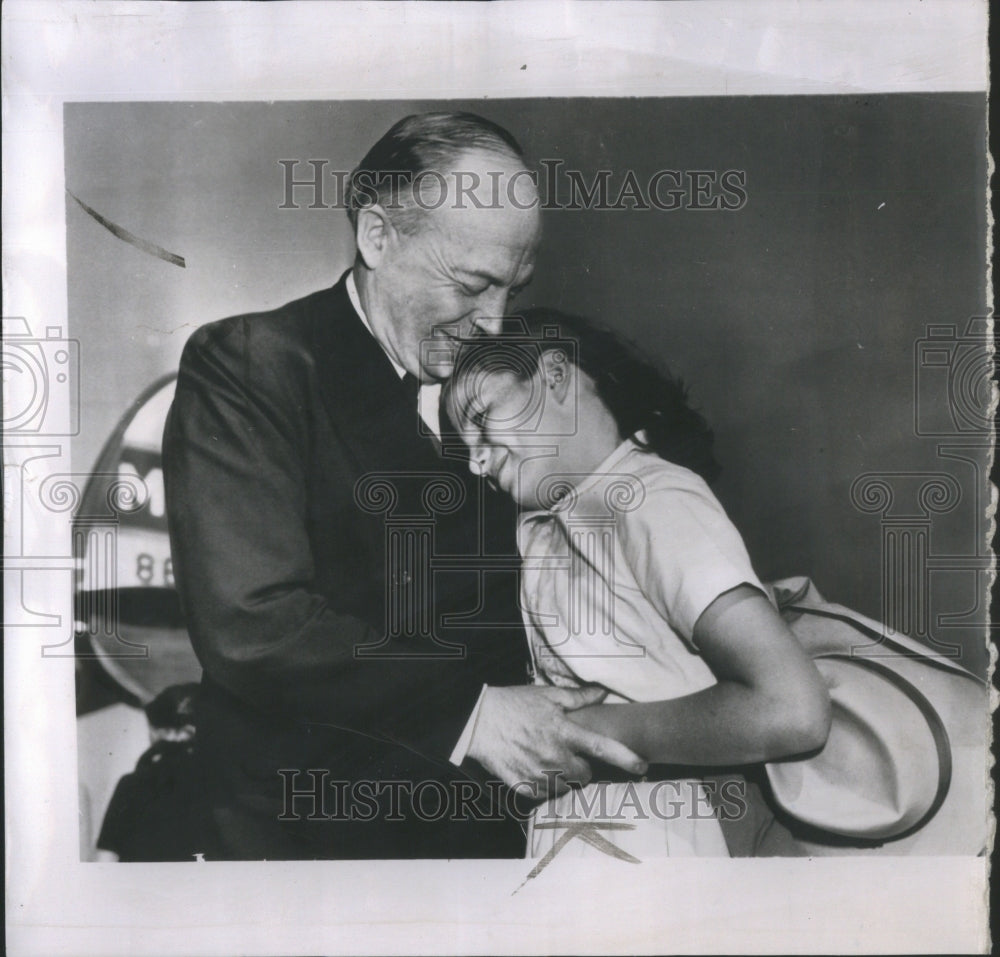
point(364, 397)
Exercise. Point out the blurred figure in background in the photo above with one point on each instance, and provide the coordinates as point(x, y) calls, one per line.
point(157, 812)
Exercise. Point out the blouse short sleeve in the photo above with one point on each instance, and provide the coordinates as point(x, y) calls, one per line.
point(681, 547)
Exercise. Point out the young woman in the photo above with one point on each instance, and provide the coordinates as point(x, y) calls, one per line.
point(633, 578)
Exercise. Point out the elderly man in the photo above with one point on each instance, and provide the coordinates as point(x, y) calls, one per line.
point(350, 592)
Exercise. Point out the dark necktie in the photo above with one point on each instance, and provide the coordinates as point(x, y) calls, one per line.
point(411, 387)
point(411, 384)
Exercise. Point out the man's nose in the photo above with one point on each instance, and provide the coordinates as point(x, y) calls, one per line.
point(479, 460)
point(490, 311)
point(490, 325)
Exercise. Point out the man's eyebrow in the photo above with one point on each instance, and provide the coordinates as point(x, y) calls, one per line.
point(481, 274)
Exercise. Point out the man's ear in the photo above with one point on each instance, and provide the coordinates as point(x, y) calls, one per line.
point(557, 373)
point(372, 234)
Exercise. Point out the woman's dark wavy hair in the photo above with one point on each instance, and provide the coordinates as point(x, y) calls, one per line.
point(638, 394)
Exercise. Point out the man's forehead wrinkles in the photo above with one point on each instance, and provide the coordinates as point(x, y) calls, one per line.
point(496, 265)
point(497, 277)
point(437, 253)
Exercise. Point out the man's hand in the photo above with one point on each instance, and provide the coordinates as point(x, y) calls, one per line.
point(524, 736)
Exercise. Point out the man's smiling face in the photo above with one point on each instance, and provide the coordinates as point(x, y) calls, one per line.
point(458, 271)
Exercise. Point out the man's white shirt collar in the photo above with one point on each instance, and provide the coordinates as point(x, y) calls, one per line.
point(430, 393)
point(352, 292)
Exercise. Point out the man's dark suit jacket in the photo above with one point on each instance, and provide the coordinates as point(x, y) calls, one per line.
point(311, 630)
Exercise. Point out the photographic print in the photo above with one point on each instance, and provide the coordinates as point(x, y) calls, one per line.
point(520, 495)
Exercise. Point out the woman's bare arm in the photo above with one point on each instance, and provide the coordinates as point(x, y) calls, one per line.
point(770, 701)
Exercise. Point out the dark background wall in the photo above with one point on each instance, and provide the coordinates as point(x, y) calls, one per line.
point(795, 320)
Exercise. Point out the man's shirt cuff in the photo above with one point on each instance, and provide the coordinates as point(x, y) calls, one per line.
point(465, 741)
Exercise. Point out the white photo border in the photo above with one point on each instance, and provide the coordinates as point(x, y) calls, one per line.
point(59, 52)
